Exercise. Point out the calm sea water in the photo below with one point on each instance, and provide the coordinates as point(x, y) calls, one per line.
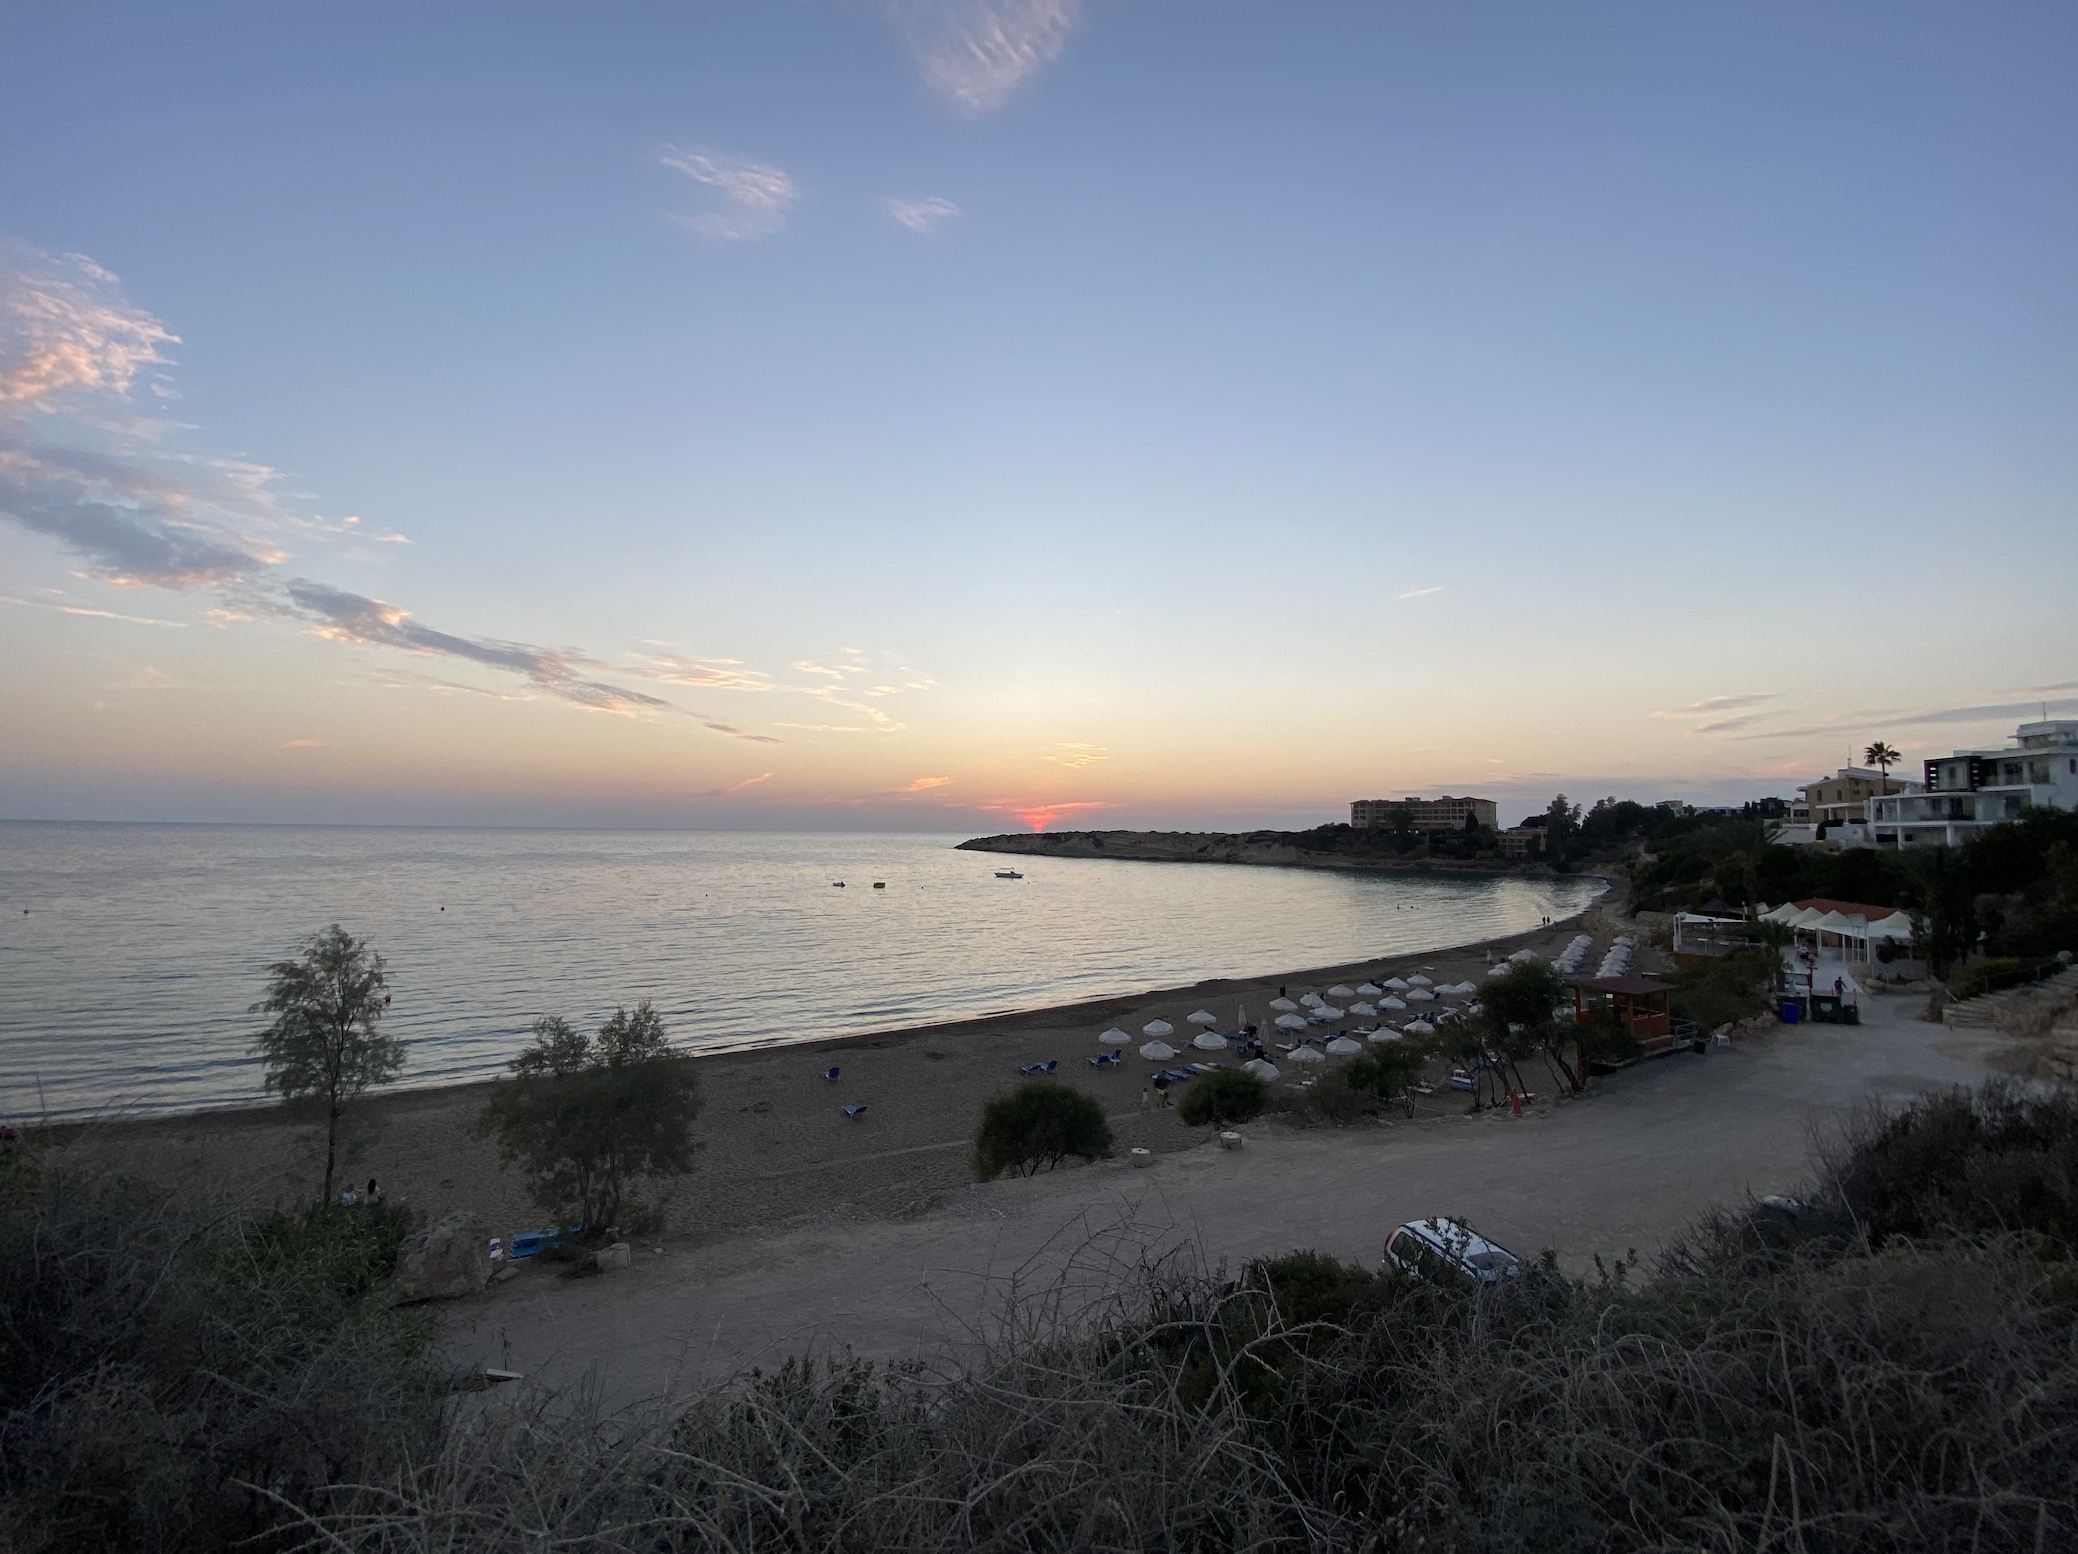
point(130, 953)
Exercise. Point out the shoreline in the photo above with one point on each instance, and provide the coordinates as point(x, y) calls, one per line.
point(774, 1143)
point(1256, 849)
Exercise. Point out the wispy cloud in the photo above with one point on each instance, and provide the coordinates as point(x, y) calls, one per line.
point(737, 733)
point(1877, 723)
point(1712, 704)
point(1422, 593)
point(738, 787)
point(921, 785)
point(81, 609)
point(303, 744)
point(977, 53)
point(1725, 725)
point(757, 194)
point(65, 326)
point(2044, 690)
point(1077, 756)
point(921, 215)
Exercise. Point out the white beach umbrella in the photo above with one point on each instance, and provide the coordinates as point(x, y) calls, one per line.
point(1328, 1012)
point(1370, 989)
point(1262, 1068)
point(1283, 1005)
point(1364, 1011)
point(1312, 999)
point(1157, 1028)
point(1114, 1038)
point(1158, 1052)
point(1382, 1036)
point(1501, 970)
point(1306, 1055)
point(1419, 1028)
point(1392, 1003)
point(1339, 991)
point(1209, 1042)
point(1523, 955)
point(1420, 995)
point(1343, 1047)
point(1291, 1022)
point(1418, 980)
point(1202, 1018)
point(1396, 984)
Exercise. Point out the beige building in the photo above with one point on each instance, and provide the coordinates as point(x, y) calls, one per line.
point(1844, 796)
point(1437, 814)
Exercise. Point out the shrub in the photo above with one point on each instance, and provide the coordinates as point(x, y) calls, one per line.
point(1387, 1070)
point(594, 1119)
point(1040, 1123)
point(1972, 980)
point(1223, 1096)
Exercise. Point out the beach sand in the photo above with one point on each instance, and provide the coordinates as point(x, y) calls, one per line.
point(774, 1142)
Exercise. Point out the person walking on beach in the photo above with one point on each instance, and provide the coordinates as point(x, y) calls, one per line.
point(1143, 1098)
point(1161, 1087)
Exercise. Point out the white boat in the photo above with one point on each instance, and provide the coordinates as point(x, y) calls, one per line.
point(1008, 874)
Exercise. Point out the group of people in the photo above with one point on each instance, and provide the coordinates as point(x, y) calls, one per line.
point(369, 1199)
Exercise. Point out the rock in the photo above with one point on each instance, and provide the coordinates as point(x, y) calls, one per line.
point(619, 1255)
point(449, 1258)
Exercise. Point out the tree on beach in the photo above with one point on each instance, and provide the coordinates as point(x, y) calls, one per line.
point(325, 1048)
point(1388, 1071)
point(1517, 1010)
point(1040, 1123)
point(592, 1119)
point(1224, 1095)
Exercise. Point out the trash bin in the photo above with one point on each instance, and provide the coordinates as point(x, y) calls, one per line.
point(1792, 1011)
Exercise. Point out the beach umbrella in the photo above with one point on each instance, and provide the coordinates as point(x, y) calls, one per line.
point(1365, 1011)
point(1157, 1028)
point(1262, 1068)
point(1328, 1012)
point(1418, 980)
point(1397, 985)
point(1114, 1038)
point(1158, 1052)
point(1501, 970)
point(1209, 1042)
point(1202, 1018)
point(1339, 991)
point(1370, 990)
point(1343, 1047)
point(1419, 1028)
point(1392, 1003)
point(1283, 1005)
point(1313, 999)
point(1384, 1035)
point(1420, 995)
point(1305, 1055)
point(1291, 1022)
point(1523, 955)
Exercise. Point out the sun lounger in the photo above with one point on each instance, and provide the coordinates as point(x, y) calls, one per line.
point(830, 1073)
point(1047, 1067)
point(855, 1112)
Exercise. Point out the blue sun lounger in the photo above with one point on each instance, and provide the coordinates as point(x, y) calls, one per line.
point(855, 1112)
point(1039, 1068)
point(831, 1073)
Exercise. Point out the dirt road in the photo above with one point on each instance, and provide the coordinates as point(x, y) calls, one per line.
point(1619, 1169)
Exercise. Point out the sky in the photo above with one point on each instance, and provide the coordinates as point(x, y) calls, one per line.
point(977, 414)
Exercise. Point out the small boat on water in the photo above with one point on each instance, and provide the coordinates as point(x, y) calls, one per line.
point(836, 884)
point(880, 884)
point(1008, 874)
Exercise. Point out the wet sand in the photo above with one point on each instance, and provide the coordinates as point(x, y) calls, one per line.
point(775, 1143)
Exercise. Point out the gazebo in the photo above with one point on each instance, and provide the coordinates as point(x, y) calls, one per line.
point(1642, 1003)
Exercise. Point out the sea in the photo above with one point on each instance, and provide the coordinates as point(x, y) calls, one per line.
point(130, 955)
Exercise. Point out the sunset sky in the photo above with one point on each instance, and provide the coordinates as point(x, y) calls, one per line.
point(963, 414)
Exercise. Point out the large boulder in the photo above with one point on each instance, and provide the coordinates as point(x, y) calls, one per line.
point(448, 1258)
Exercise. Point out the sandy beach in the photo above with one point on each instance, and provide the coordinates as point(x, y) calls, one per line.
point(775, 1143)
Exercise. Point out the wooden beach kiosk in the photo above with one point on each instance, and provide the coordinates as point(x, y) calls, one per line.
point(1643, 1004)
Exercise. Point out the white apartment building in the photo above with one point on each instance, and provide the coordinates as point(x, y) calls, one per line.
point(1972, 789)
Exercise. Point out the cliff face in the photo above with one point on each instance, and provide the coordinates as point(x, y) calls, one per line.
point(1265, 847)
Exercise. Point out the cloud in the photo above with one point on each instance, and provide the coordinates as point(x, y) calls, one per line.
point(922, 215)
point(736, 733)
point(1422, 593)
point(724, 674)
point(1718, 704)
point(80, 609)
point(1724, 725)
point(65, 325)
point(349, 617)
point(1078, 756)
point(977, 53)
point(2043, 690)
point(921, 785)
point(758, 194)
point(738, 787)
point(303, 744)
point(1877, 723)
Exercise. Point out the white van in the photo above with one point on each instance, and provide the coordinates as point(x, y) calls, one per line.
point(1442, 1250)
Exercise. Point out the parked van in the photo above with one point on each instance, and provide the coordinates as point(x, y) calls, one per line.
point(1442, 1250)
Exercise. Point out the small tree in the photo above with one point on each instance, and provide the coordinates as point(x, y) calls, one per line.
point(1222, 1096)
point(1883, 757)
point(1517, 1010)
point(324, 1049)
point(1041, 1123)
point(593, 1118)
point(1388, 1070)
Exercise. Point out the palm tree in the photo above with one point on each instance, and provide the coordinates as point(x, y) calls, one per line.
point(1883, 757)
